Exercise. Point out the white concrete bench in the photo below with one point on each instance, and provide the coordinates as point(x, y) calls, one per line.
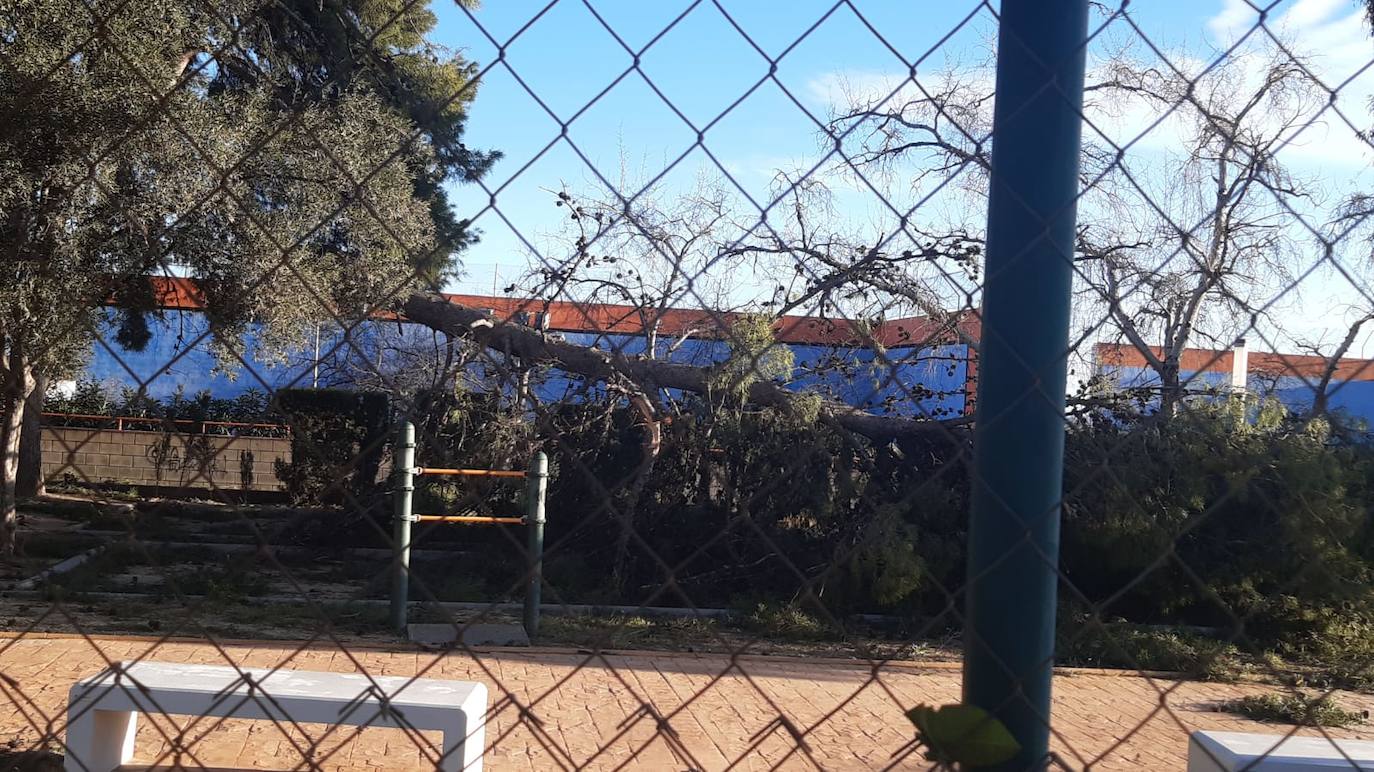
point(102, 711)
point(1230, 751)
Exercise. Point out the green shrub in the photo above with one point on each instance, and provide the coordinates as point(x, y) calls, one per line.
point(1224, 512)
point(1245, 511)
point(337, 441)
point(1336, 645)
point(93, 398)
point(578, 580)
point(758, 502)
point(1129, 646)
point(1293, 709)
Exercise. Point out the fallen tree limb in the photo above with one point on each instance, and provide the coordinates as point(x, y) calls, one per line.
point(533, 347)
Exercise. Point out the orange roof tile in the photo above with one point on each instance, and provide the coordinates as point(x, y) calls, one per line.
point(1265, 362)
point(179, 293)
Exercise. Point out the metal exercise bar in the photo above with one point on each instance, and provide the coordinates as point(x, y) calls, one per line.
point(404, 493)
point(539, 483)
point(516, 473)
point(404, 475)
point(470, 519)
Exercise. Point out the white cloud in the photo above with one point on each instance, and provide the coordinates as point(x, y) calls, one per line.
point(1332, 39)
point(834, 89)
point(1236, 17)
point(1239, 17)
point(1308, 12)
point(1330, 36)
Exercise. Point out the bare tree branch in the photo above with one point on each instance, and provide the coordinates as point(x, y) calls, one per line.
point(439, 313)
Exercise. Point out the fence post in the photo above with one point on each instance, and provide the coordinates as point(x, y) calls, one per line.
point(538, 487)
point(403, 473)
point(1019, 434)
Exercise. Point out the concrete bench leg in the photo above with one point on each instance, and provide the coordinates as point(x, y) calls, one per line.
point(100, 740)
point(463, 748)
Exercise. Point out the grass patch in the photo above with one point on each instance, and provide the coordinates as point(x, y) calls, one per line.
point(437, 579)
point(485, 572)
point(1137, 647)
point(55, 545)
point(191, 570)
point(87, 576)
point(1293, 709)
point(627, 631)
point(226, 582)
point(785, 622)
point(354, 571)
point(77, 510)
point(112, 490)
point(248, 619)
point(294, 621)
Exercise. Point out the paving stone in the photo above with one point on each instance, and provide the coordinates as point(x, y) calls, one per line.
point(586, 712)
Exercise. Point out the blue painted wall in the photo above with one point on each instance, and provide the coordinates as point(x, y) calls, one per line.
point(1142, 377)
point(903, 381)
point(179, 355)
point(1354, 399)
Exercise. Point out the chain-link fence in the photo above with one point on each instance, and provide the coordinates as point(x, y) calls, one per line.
point(960, 432)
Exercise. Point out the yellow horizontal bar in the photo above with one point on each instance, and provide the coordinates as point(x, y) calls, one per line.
point(471, 519)
point(472, 472)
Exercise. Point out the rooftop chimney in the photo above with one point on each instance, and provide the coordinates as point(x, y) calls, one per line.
point(1240, 366)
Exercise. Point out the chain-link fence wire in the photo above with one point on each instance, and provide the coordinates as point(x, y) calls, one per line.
point(740, 521)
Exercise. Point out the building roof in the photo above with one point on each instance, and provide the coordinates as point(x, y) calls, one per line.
point(178, 293)
point(1222, 360)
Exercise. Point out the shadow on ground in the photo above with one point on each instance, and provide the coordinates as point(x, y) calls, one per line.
point(30, 761)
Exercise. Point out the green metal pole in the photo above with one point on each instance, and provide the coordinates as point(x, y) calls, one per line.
point(403, 472)
point(538, 487)
point(1018, 454)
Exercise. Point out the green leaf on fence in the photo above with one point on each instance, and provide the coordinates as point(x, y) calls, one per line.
point(963, 734)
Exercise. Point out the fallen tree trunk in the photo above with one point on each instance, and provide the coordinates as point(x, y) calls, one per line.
point(533, 347)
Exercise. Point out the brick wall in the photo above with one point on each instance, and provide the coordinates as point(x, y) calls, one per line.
point(131, 457)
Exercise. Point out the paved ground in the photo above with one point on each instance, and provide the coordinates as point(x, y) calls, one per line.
point(590, 712)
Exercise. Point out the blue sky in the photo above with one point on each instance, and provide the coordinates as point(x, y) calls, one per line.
point(567, 57)
point(629, 135)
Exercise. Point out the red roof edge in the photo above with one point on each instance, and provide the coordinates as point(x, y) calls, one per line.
point(1220, 361)
point(182, 294)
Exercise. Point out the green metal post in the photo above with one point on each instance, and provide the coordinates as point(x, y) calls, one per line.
point(403, 472)
point(538, 487)
point(1019, 434)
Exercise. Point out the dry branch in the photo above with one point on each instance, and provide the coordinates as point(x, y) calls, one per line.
point(533, 347)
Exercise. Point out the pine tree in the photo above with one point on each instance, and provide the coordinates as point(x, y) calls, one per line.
point(290, 156)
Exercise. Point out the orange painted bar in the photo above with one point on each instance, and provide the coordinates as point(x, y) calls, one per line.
point(471, 520)
point(472, 472)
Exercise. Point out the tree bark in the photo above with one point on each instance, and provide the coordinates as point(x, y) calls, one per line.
point(1321, 393)
point(19, 384)
point(1170, 387)
point(29, 482)
point(533, 347)
point(652, 445)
